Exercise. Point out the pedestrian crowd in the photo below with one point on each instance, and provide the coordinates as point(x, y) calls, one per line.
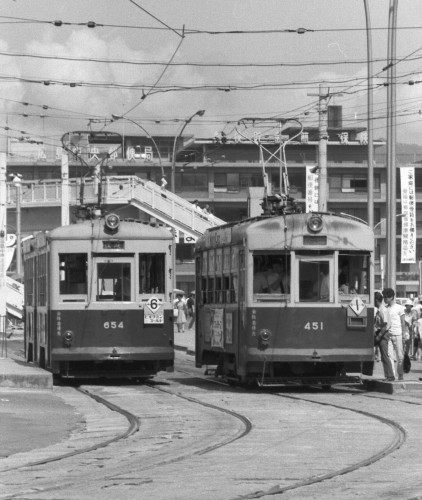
point(397, 331)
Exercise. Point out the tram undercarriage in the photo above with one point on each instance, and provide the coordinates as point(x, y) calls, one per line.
point(293, 373)
point(110, 369)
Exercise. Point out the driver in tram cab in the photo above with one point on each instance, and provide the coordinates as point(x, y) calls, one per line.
point(122, 287)
point(324, 288)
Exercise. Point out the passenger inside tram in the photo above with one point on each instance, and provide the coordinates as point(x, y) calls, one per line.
point(271, 274)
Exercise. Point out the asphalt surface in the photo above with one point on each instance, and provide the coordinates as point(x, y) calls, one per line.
point(32, 418)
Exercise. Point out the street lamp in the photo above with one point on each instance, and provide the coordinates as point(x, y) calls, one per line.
point(117, 117)
point(17, 181)
point(384, 220)
point(201, 112)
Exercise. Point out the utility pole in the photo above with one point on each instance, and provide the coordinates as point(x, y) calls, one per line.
point(65, 190)
point(322, 148)
point(391, 146)
point(3, 234)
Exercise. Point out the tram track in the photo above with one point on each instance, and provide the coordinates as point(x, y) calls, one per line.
point(399, 438)
point(128, 465)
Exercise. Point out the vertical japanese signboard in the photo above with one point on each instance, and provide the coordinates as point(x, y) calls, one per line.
point(311, 190)
point(408, 206)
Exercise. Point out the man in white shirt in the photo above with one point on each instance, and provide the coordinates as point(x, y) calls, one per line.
point(396, 326)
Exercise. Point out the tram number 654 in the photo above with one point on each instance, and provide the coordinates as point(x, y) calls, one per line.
point(314, 325)
point(113, 324)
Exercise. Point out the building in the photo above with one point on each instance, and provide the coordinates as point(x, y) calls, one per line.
point(218, 172)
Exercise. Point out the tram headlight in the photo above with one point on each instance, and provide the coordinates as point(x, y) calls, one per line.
point(315, 224)
point(112, 223)
point(264, 338)
point(68, 338)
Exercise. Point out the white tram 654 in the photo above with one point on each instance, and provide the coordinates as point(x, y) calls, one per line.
point(98, 299)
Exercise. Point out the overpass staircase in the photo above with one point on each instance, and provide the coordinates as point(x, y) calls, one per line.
point(160, 203)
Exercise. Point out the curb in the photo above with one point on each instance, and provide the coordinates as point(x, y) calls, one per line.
point(184, 349)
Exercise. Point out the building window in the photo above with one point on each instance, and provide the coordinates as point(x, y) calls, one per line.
point(227, 182)
point(191, 181)
point(185, 252)
point(348, 183)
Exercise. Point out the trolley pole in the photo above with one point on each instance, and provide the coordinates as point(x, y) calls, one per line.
point(322, 148)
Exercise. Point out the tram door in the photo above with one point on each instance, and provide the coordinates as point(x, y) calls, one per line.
point(114, 279)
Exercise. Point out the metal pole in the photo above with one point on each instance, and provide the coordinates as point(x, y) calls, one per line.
point(322, 149)
point(370, 115)
point(18, 184)
point(117, 117)
point(3, 234)
point(65, 190)
point(173, 158)
point(391, 147)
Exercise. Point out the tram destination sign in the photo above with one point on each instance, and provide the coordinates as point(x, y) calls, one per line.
point(218, 237)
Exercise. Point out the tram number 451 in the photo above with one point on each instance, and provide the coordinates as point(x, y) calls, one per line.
point(113, 325)
point(314, 325)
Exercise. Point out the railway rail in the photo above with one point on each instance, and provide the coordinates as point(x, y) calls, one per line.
point(177, 431)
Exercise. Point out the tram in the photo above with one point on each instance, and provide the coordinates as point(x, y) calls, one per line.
point(286, 298)
point(98, 298)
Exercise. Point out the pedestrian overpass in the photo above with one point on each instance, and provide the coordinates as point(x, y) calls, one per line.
point(147, 196)
point(164, 205)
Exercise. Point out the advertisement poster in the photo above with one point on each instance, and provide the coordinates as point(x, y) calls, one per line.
point(229, 328)
point(217, 332)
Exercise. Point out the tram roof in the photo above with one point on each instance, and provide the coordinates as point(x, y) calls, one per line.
point(339, 231)
point(128, 230)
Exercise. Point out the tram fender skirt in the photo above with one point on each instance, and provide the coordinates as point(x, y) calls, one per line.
point(368, 368)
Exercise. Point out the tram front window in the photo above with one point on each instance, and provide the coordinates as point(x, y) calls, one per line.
point(72, 273)
point(114, 281)
point(151, 273)
point(353, 274)
point(315, 281)
point(271, 274)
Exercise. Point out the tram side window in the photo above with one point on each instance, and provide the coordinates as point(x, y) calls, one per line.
point(353, 273)
point(271, 274)
point(73, 273)
point(314, 281)
point(152, 273)
point(113, 281)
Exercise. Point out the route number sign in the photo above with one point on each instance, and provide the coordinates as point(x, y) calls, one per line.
point(153, 312)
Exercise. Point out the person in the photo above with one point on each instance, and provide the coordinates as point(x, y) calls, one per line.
point(163, 182)
point(180, 306)
point(382, 336)
point(343, 278)
point(190, 304)
point(417, 350)
point(409, 319)
point(396, 327)
point(417, 307)
point(122, 287)
point(260, 282)
point(196, 206)
point(206, 209)
point(324, 289)
point(274, 278)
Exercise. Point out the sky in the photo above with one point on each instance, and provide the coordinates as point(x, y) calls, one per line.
point(157, 62)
